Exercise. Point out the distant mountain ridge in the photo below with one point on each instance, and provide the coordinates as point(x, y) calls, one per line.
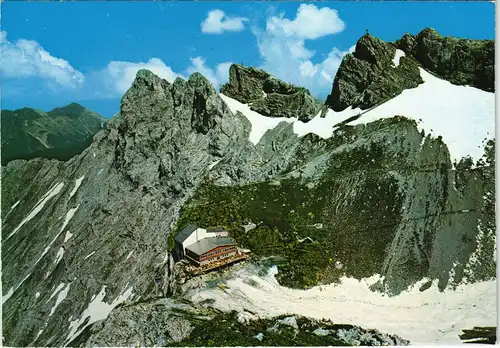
point(60, 133)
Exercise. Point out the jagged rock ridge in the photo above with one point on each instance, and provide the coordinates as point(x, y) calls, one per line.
point(179, 324)
point(460, 61)
point(369, 76)
point(268, 95)
point(100, 232)
point(128, 186)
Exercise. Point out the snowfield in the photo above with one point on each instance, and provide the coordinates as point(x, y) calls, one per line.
point(429, 317)
point(260, 124)
point(464, 116)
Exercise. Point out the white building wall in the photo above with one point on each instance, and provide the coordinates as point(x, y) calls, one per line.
point(217, 234)
point(195, 236)
point(199, 234)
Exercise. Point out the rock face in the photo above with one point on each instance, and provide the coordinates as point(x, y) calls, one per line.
point(370, 76)
point(268, 95)
point(109, 211)
point(460, 61)
point(178, 324)
point(375, 73)
point(60, 133)
point(389, 200)
point(88, 238)
point(230, 330)
point(167, 322)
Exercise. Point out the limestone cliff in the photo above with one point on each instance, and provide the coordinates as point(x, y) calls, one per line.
point(268, 95)
point(90, 236)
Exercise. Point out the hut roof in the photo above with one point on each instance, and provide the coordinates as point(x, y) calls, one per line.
point(205, 245)
point(185, 233)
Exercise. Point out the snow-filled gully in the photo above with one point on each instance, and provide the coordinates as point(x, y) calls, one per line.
point(429, 317)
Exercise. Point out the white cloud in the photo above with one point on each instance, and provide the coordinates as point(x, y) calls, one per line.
point(222, 72)
point(310, 23)
point(217, 22)
point(114, 80)
point(120, 75)
point(26, 58)
point(217, 77)
point(282, 46)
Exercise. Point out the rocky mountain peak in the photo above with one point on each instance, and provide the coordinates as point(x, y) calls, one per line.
point(61, 132)
point(460, 61)
point(409, 42)
point(159, 120)
point(268, 95)
point(75, 110)
point(376, 72)
point(374, 51)
point(371, 75)
point(245, 83)
point(379, 198)
point(128, 187)
point(71, 108)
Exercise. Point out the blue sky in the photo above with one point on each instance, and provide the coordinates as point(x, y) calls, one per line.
point(54, 53)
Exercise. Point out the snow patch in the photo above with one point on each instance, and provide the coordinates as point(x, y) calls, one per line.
point(77, 185)
point(397, 57)
point(321, 126)
point(59, 256)
point(60, 297)
point(69, 216)
point(213, 164)
point(430, 316)
point(54, 293)
point(67, 236)
point(38, 334)
point(38, 207)
point(89, 255)
point(96, 310)
point(259, 336)
point(289, 321)
point(12, 208)
point(129, 254)
point(260, 124)
point(321, 332)
point(8, 295)
point(5, 298)
point(37, 295)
